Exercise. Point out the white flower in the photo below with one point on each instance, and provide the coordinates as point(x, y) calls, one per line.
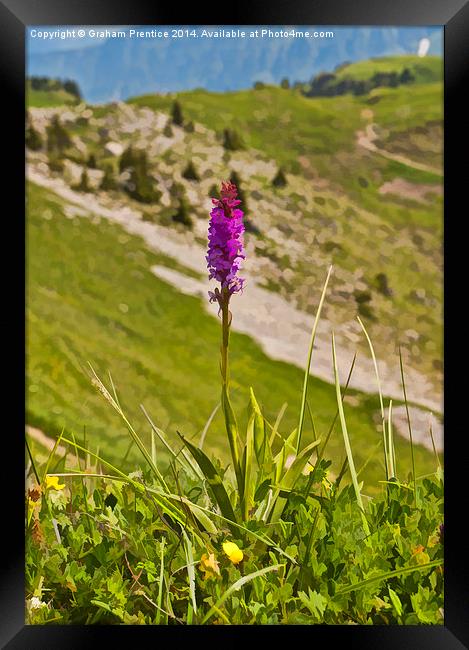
point(36, 603)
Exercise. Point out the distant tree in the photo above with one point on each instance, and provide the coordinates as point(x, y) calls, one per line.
point(232, 140)
point(182, 214)
point(285, 83)
point(280, 180)
point(406, 76)
point(168, 131)
point(33, 138)
point(91, 162)
point(108, 182)
point(258, 85)
point(140, 185)
point(127, 159)
point(83, 185)
point(190, 172)
point(382, 284)
point(214, 192)
point(189, 127)
point(72, 88)
point(176, 114)
point(54, 162)
point(58, 138)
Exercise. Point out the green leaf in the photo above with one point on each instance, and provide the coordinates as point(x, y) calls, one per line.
point(237, 585)
point(290, 478)
point(261, 443)
point(247, 469)
point(213, 478)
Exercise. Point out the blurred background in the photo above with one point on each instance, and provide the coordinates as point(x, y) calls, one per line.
point(336, 145)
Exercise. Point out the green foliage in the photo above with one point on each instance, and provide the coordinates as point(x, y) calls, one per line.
point(128, 552)
point(285, 83)
point(58, 138)
point(91, 162)
point(33, 139)
point(140, 184)
point(232, 141)
point(108, 181)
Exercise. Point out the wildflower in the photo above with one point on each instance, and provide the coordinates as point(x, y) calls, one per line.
point(53, 482)
point(36, 603)
point(234, 553)
point(209, 565)
point(225, 244)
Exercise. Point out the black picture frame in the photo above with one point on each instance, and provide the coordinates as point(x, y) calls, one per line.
point(15, 16)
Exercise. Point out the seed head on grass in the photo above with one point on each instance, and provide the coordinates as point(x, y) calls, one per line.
point(225, 244)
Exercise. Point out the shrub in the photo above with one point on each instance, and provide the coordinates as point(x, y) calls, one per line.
point(232, 140)
point(83, 185)
point(108, 182)
point(55, 163)
point(189, 127)
point(91, 162)
point(182, 214)
point(58, 138)
point(279, 180)
point(140, 185)
point(168, 131)
point(33, 138)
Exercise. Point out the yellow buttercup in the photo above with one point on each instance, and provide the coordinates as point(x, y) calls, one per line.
point(53, 482)
point(233, 551)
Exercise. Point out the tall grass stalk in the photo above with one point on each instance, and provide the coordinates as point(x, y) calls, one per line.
point(378, 381)
point(348, 447)
point(409, 426)
point(308, 363)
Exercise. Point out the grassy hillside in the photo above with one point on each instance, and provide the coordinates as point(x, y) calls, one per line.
point(423, 69)
point(48, 98)
point(95, 300)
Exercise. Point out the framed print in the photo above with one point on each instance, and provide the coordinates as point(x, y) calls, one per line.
point(235, 277)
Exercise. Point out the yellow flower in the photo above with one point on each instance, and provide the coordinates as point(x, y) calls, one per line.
point(53, 482)
point(234, 553)
point(209, 565)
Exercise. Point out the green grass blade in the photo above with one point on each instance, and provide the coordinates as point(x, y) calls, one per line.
point(308, 363)
point(277, 424)
point(237, 585)
point(392, 455)
point(289, 479)
point(348, 447)
point(160, 586)
point(378, 381)
point(388, 575)
point(246, 500)
point(409, 425)
point(190, 568)
point(207, 425)
point(51, 455)
point(214, 480)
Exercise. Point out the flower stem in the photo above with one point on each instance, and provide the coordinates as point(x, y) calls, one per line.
point(230, 421)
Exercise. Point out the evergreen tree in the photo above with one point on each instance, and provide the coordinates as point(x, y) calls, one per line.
point(140, 185)
point(232, 140)
point(235, 178)
point(182, 214)
point(91, 162)
point(58, 138)
point(280, 179)
point(176, 113)
point(33, 138)
point(83, 185)
point(285, 83)
point(108, 181)
point(214, 192)
point(190, 172)
point(168, 131)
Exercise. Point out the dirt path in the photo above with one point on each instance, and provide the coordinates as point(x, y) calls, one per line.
point(367, 139)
